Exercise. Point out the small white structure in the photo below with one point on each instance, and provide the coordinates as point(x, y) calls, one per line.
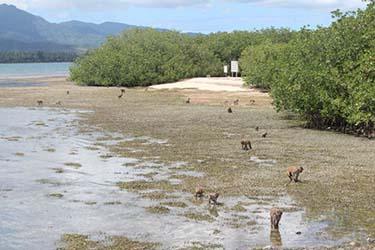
point(225, 70)
point(234, 68)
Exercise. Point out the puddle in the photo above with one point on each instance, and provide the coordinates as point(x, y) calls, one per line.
point(72, 188)
point(263, 162)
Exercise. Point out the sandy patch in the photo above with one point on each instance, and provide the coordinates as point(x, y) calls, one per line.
point(211, 84)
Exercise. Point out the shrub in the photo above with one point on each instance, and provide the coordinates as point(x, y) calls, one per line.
point(326, 75)
point(142, 57)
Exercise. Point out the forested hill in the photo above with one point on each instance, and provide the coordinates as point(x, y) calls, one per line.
point(22, 31)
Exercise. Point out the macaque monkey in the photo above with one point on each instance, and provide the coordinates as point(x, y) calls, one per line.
point(275, 215)
point(188, 101)
point(230, 110)
point(67, 92)
point(213, 198)
point(199, 191)
point(252, 102)
point(236, 102)
point(122, 93)
point(257, 128)
point(293, 173)
point(246, 145)
point(40, 102)
point(264, 135)
point(371, 134)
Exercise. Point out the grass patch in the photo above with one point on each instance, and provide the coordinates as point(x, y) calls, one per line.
point(149, 175)
point(56, 195)
point(6, 190)
point(112, 203)
point(158, 210)
point(12, 138)
point(145, 185)
point(199, 217)
point(90, 203)
point(50, 182)
point(156, 195)
point(40, 123)
point(19, 154)
point(58, 170)
point(216, 231)
point(83, 242)
point(239, 208)
point(179, 204)
point(106, 156)
point(73, 165)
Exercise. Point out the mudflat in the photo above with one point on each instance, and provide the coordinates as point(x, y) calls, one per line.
point(181, 145)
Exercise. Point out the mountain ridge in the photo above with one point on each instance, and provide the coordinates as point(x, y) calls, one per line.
point(23, 31)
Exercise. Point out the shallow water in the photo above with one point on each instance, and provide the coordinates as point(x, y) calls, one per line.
point(9, 70)
point(263, 162)
point(19, 84)
point(56, 180)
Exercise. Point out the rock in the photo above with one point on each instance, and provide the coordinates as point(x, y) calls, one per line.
point(298, 233)
point(353, 244)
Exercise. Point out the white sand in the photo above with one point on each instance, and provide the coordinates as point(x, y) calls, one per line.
point(211, 83)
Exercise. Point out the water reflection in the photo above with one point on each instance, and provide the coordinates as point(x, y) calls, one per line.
point(275, 238)
point(213, 211)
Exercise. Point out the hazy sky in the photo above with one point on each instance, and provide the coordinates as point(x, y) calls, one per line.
point(194, 15)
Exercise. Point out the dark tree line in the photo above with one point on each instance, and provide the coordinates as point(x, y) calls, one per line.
point(36, 57)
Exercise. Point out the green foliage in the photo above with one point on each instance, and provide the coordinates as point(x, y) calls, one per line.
point(326, 75)
point(143, 57)
point(229, 46)
point(260, 64)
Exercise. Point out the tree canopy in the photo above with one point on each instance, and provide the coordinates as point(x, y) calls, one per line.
point(326, 75)
point(142, 57)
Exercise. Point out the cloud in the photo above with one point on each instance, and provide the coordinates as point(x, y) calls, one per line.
point(316, 4)
point(95, 5)
point(98, 5)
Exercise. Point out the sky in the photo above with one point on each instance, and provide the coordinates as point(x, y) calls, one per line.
point(203, 16)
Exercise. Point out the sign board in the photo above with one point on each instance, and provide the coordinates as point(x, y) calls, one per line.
point(226, 69)
point(234, 66)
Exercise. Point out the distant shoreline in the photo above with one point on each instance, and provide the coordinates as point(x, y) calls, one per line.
point(33, 77)
point(3, 63)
